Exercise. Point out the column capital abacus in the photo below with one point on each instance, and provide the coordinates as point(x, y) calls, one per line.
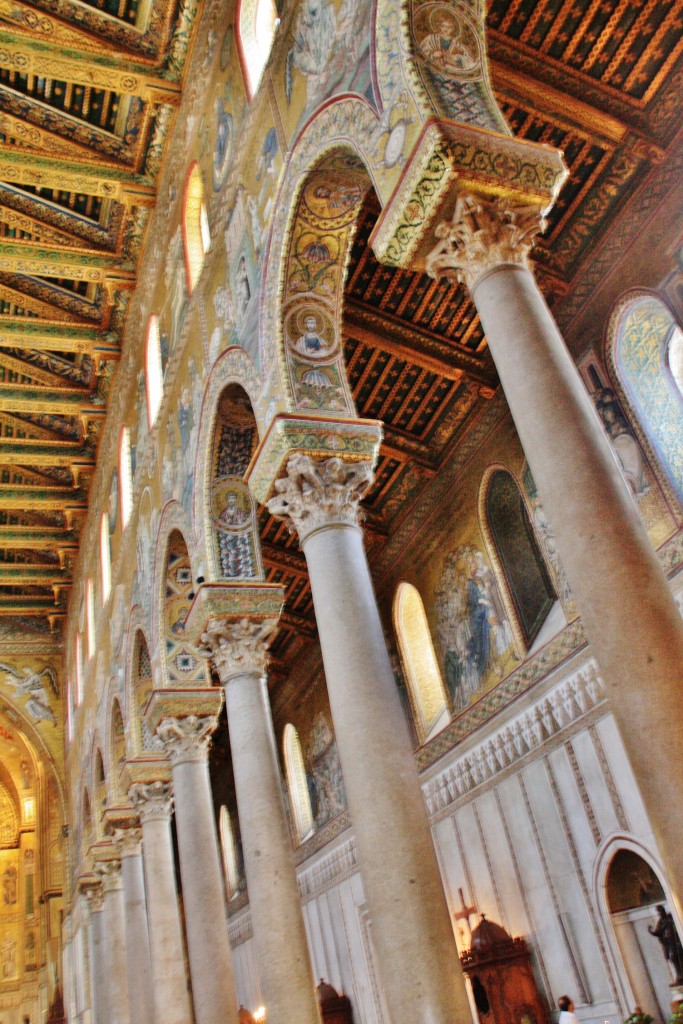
point(316, 495)
point(233, 624)
point(153, 801)
point(483, 233)
point(187, 739)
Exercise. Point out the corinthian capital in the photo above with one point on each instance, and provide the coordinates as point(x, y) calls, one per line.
point(110, 874)
point(128, 841)
point(483, 234)
point(319, 494)
point(94, 894)
point(187, 739)
point(152, 801)
point(237, 648)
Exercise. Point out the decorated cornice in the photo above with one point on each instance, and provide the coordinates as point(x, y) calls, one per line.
point(448, 160)
point(352, 441)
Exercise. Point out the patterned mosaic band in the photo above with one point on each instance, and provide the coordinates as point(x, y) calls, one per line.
point(200, 703)
point(351, 440)
point(232, 603)
point(451, 158)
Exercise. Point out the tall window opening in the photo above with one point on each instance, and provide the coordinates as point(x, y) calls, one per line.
point(196, 235)
point(154, 374)
point(257, 21)
point(297, 783)
point(79, 669)
point(105, 556)
point(229, 852)
point(90, 616)
point(125, 477)
point(426, 690)
point(519, 555)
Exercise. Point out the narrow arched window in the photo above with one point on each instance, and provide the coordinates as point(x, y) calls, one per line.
point(105, 556)
point(676, 357)
point(196, 235)
point(297, 783)
point(229, 852)
point(426, 690)
point(90, 616)
point(69, 711)
point(528, 581)
point(154, 374)
point(79, 669)
point(256, 22)
point(125, 477)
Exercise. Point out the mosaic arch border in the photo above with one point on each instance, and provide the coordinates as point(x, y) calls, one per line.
point(604, 854)
point(96, 748)
point(233, 366)
point(137, 622)
point(620, 311)
point(173, 519)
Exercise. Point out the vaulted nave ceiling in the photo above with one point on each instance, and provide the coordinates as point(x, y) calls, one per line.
point(88, 92)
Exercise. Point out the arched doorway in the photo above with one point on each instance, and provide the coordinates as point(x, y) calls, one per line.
point(634, 892)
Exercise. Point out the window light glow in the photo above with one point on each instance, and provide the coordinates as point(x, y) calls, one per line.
point(257, 21)
point(154, 374)
point(105, 556)
point(426, 690)
point(90, 617)
point(296, 782)
point(125, 477)
point(196, 235)
point(229, 852)
point(79, 669)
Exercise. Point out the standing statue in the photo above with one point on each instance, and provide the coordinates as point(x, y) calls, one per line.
point(665, 931)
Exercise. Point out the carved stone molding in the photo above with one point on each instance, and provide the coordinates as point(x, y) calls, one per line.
point(110, 874)
point(95, 897)
point(483, 234)
point(315, 495)
point(128, 841)
point(237, 648)
point(187, 739)
point(152, 801)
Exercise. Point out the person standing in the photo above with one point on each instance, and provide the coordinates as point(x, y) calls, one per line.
point(567, 1015)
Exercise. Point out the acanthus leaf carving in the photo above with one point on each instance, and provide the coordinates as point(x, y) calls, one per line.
point(187, 739)
point(237, 648)
point(314, 494)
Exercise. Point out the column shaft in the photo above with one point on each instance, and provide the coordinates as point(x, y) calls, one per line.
point(137, 940)
point(213, 990)
point(98, 967)
point(274, 902)
point(412, 933)
point(622, 594)
point(171, 997)
point(115, 956)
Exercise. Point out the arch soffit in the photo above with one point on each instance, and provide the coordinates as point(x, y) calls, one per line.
point(111, 772)
point(625, 304)
point(138, 625)
point(174, 519)
point(233, 366)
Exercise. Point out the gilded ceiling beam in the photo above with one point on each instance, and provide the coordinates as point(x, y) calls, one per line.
point(20, 332)
point(26, 451)
point(34, 57)
point(33, 305)
point(38, 229)
point(37, 538)
point(91, 179)
point(17, 574)
point(21, 604)
point(416, 345)
point(40, 498)
point(17, 257)
point(55, 401)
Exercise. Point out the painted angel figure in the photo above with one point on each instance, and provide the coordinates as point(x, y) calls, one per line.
point(314, 33)
point(33, 687)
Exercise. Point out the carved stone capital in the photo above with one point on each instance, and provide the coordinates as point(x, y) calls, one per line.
point(315, 495)
point(187, 739)
point(153, 801)
point(110, 874)
point(128, 841)
point(94, 894)
point(483, 234)
point(237, 648)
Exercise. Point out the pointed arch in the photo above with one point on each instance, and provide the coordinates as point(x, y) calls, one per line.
point(196, 233)
point(426, 690)
point(297, 783)
point(525, 580)
point(639, 341)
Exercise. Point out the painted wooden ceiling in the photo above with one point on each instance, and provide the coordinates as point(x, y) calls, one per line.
point(88, 90)
point(87, 96)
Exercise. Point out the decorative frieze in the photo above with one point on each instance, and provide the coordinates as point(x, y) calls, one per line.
point(574, 697)
point(330, 870)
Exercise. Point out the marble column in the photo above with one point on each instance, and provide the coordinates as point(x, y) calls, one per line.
point(115, 942)
point(622, 594)
point(411, 929)
point(238, 648)
point(186, 741)
point(138, 959)
point(153, 803)
point(99, 988)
